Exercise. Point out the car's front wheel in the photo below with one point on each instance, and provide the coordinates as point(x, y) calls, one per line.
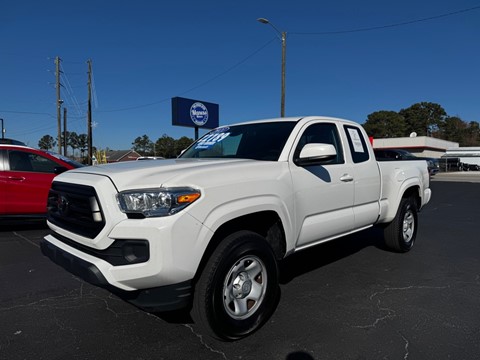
point(237, 290)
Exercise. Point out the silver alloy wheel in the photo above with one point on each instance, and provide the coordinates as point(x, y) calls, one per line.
point(408, 228)
point(244, 287)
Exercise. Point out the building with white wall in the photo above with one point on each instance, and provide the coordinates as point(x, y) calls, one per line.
point(422, 146)
point(465, 155)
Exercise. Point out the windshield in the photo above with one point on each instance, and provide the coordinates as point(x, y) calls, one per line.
point(259, 141)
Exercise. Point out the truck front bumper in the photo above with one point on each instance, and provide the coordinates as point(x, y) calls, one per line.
point(157, 299)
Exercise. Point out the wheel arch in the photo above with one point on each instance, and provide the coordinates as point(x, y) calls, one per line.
point(407, 190)
point(264, 223)
point(413, 192)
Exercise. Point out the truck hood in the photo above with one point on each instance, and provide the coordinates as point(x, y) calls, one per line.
point(155, 173)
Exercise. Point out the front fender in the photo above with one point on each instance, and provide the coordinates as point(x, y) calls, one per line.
point(250, 205)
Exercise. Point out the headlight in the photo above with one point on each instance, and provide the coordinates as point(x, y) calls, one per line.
point(156, 202)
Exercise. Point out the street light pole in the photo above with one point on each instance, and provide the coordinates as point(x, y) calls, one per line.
point(283, 38)
point(3, 130)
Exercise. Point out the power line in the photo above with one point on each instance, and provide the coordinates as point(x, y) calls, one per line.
point(135, 106)
point(300, 33)
point(69, 90)
point(27, 113)
point(34, 130)
point(94, 89)
point(389, 25)
point(372, 28)
point(231, 68)
point(199, 85)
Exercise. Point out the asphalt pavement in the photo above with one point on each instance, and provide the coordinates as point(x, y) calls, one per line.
point(347, 299)
point(458, 176)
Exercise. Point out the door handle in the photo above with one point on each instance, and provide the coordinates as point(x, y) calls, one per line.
point(16, 178)
point(346, 178)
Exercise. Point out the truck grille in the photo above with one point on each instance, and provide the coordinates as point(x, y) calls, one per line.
point(75, 208)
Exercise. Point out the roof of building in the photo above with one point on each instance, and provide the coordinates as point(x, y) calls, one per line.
point(463, 152)
point(119, 155)
point(415, 142)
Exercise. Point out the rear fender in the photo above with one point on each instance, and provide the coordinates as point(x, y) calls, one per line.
point(390, 202)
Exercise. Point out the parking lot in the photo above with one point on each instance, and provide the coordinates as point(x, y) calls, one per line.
point(348, 299)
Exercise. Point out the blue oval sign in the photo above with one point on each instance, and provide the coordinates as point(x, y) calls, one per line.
point(199, 114)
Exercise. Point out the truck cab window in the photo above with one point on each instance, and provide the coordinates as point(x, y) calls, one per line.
point(356, 142)
point(321, 133)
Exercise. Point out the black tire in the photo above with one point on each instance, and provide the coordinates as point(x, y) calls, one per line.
point(237, 290)
point(400, 234)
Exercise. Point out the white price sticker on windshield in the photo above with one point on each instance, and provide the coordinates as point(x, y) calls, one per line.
point(211, 139)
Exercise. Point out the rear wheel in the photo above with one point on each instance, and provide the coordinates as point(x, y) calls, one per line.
point(237, 290)
point(400, 234)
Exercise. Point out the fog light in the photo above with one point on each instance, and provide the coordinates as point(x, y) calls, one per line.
point(135, 251)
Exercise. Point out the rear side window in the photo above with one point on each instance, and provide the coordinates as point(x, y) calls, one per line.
point(25, 161)
point(356, 142)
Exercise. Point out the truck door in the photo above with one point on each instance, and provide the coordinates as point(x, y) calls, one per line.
point(323, 192)
point(367, 177)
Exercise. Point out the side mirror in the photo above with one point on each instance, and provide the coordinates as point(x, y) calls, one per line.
point(314, 154)
point(59, 169)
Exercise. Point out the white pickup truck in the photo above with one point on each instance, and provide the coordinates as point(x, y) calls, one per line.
point(206, 231)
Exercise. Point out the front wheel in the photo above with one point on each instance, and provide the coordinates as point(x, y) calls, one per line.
point(237, 290)
point(400, 234)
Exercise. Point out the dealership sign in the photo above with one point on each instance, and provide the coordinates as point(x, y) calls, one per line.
point(194, 113)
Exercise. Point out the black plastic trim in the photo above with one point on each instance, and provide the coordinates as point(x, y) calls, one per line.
point(69, 207)
point(157, 299)
point(115, 254)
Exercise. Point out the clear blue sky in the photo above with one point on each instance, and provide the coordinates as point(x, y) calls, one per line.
point(146, 52)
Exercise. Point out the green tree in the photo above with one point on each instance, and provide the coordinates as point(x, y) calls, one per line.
point(181, 144)
point(143, 145)
point(47, 142)
point(83, 144)
point(165, 147)
point(71, 136)
point(382, 124)
point(72, 141)
point(424, 118)
point(453, 129)
point(472, 134)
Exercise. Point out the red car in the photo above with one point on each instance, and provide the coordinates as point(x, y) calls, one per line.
point(25, 178)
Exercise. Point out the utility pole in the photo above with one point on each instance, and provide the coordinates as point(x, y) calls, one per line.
point(282, 35)
point(284, 51)
point(59, 104)
point(89, 113)
point(65, 131)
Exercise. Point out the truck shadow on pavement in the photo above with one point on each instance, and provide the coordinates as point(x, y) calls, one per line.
point(305, 261)
point(323, 254)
